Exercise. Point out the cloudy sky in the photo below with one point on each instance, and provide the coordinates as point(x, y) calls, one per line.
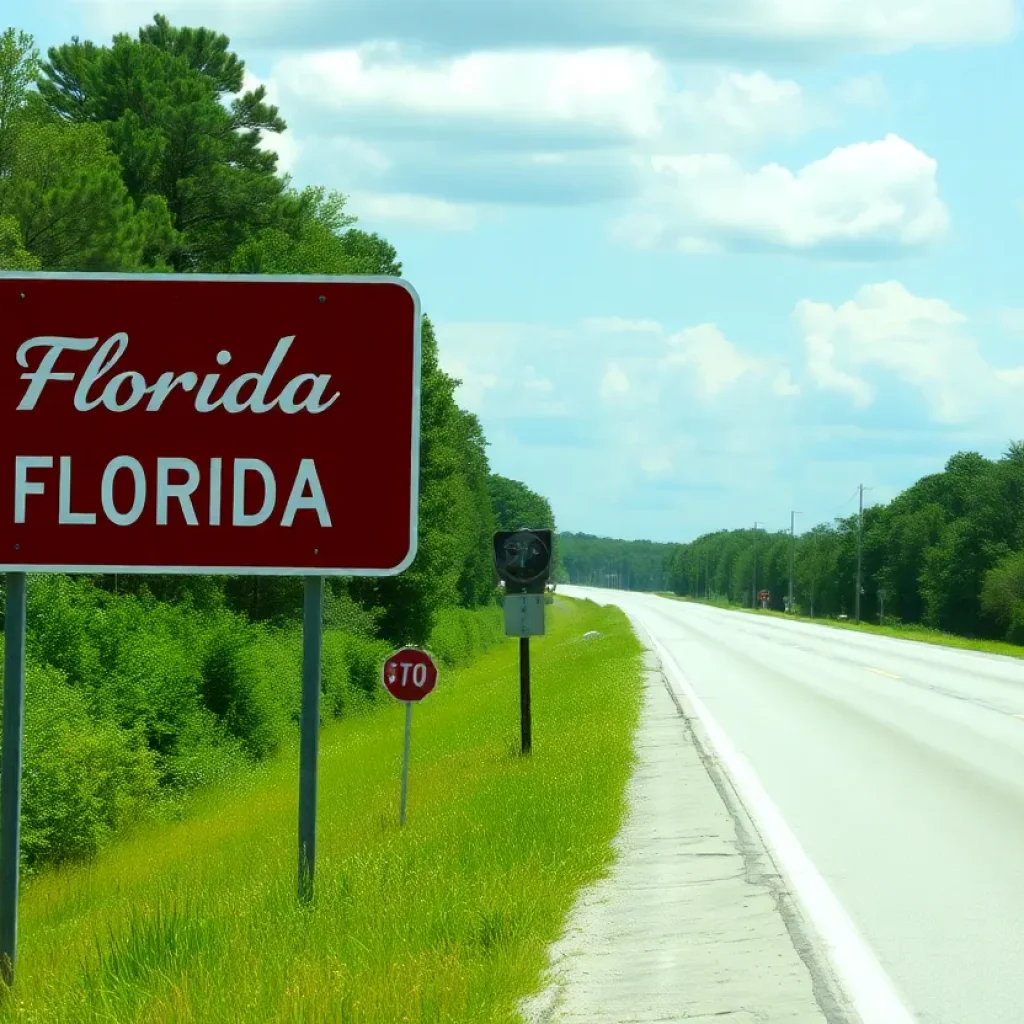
point(696, 262)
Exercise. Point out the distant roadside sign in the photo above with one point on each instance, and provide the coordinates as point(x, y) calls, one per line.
point(524, 614)
point(523, 559)
point(764, 595)
point(410, 675)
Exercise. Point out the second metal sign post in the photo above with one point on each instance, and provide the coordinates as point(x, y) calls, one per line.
point(522, 559)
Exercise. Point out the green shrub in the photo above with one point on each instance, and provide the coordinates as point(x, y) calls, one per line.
point(1015, 632)
point(448, 639)
point(206, 754)
point(82, 779)
point(132, 701)
point(460, 634)
point(365, 658)
point(151, 660)
point(251, 682)
point(343, 695)
point(61, 611)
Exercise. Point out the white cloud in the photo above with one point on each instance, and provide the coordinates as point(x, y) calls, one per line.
point(864, 91)
point(656, 463)
point(821, 365)
point(533, 382)
point(734, 107)
point(859, 197)
point(616, 93)
point(497, 364)
point(560, 126)
point(413, 210)
point(922, 341)
point(738, 28)
point(544, 126)
point(1011, 319)
point(783, 384)
point(688, 413)
point(716, 361)
point(620, 325)
point(615, 382)
point(550, 98)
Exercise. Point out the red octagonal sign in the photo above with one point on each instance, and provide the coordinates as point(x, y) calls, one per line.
point(182, 423)
point(410, 674)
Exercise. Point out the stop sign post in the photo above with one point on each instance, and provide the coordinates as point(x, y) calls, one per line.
point(188, 423)
point(409, 676)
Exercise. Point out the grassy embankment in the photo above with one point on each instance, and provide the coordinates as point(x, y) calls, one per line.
point(446, 920)
point(921, 634)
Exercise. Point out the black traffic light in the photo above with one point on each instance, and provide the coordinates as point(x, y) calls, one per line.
point(523, 559)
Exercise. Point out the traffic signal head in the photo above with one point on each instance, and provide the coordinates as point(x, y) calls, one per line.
point(523, 559)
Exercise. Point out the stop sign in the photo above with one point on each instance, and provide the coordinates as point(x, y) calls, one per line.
point(410, 674)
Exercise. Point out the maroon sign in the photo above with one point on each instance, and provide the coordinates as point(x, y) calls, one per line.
point(410, 674)
point(764, 595)
point(158, 423)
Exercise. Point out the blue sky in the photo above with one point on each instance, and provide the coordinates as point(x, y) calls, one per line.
point(697, 263)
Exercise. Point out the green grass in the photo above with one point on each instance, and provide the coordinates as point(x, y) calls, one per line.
point(448, 919)
point(920, 634)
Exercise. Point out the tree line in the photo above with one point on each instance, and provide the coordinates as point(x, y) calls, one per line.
point(604, 562)
point(947, 553)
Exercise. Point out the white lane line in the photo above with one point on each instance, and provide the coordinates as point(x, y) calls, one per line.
point(868, 986)
point(882, 672)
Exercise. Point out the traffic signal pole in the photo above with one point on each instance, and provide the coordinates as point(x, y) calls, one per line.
point(525, 715)
point(860, 526)
point(522, 559)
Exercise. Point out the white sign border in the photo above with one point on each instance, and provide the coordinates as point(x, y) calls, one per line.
point(205, 570)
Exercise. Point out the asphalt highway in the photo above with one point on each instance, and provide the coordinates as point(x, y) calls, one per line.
point(898, 767)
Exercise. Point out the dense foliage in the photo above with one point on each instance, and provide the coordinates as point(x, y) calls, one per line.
point(947, 553)
point(147, 155)
point(603, 562)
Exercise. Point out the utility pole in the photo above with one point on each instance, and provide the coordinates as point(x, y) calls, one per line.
point(753, 582)
point(860, 524)
point(792, 548)
point(814, 566)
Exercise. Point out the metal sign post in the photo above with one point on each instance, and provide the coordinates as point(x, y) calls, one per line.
point(409, 675)
point(309, 741)
point(10, 771)
point(523, 561)
point(525, 716)
point(406, 746)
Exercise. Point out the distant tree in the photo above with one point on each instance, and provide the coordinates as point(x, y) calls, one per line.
point(19, 65)
point(65, 194)
point(13, 254)
point(161, 100)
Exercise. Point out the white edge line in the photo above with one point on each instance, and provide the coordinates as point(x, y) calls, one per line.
point(865, 981)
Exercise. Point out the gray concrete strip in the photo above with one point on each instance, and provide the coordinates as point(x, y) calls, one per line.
point(693, 923)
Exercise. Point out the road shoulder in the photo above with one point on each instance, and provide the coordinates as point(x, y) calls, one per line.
point(693, 923)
